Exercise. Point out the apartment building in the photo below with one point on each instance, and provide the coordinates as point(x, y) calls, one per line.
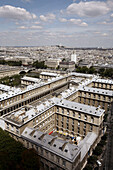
point(29, 80)
point(63, 130)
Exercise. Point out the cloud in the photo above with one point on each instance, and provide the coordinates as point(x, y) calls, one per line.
point(104, 34)
point(78, 22)
point(32, 27)
point(36, 27)
point(62, 20)
point(90, 9)
point(37, 22)
point(15, 13)
point(48, 17)
point(74, 21)
point(23, 27)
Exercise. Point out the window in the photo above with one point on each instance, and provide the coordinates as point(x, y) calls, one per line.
point(12, 128)
point(72, 121)
point(84, 132)
point(67, 126)
point(67, 112)
point(78, 130)
point(84, 125)
point(62, 118)
point(72, 127)
point(67, 120)
point(17, 131)
point(7, 125)
point(27, 144)
point(79, 115)
point(52, 156)
point(64, 163)
point(37, 148)
point(57, 122)
point(58, 160)
point(78, 123)
point(85, 117)
point(47, 153)
point(91, 128)
point(62, 124)
point(57, 109)
point(93, 102)
point(62, 110)
point(73, 114)
point(92, 120)
point(41, 151)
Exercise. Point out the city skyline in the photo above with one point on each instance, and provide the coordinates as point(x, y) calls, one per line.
point(72, 23)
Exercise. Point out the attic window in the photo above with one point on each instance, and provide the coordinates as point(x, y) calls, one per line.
point(54, 145)
point(25, 132)
point(66, 150)
point(60, 148)
point(34, 136)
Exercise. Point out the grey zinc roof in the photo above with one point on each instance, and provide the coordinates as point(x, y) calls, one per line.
point(97, 91)
point(30, 87)
point(35, 80)
point(52, 144)
point(49, 74)
point(81, 74)
point(103, 81)
point(86, 144)
point(96, 111)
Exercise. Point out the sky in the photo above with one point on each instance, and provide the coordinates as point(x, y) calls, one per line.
point(72, 23)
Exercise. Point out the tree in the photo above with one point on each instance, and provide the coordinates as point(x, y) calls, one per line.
point(98, 150)
point(40, 64)
point(92, 159)
point(88, 167)
point(30, 160)
point(14, 156)
point(102, 143)
point(91, 70)
point(104, 137)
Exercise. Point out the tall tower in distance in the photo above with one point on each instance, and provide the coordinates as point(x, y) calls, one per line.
point(74, 57)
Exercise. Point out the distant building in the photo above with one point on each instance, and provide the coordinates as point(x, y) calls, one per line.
point(67, 65)
point(47, 75)
point(53, 63)
point(85, 64)
point(74, 57)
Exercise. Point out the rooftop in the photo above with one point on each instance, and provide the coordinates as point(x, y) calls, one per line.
point(35, 80)
point(103, 81)
point(96, 90)
point(57, 146)
point(91, 110)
